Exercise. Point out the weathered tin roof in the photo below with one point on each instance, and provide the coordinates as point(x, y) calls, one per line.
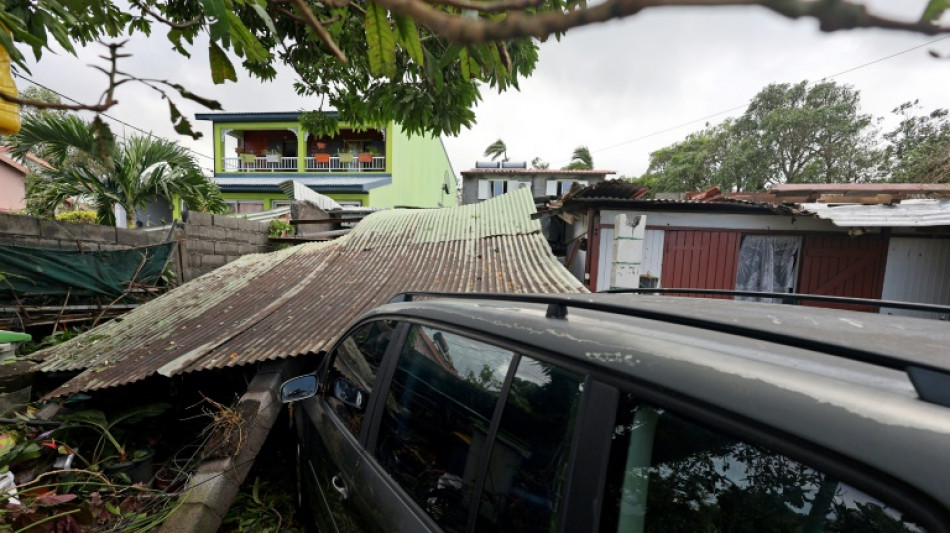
point(297, 301)
point(907, 213)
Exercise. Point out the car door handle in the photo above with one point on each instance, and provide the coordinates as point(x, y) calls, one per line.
point(340, 486)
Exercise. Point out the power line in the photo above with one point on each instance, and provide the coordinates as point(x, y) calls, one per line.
point(730, 110)
point(110, 117)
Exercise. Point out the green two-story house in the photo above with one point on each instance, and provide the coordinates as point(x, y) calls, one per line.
point(371, 167)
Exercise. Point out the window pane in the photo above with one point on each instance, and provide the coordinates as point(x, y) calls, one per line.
point(668, 474)
point(355, 363)
point(436, 419)
point(529, 457)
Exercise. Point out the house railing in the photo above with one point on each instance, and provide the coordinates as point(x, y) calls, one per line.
point(246, 163)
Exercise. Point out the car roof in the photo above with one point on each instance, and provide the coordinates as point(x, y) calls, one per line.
point(832, 378)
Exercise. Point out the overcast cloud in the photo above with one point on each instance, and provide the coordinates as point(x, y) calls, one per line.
point(611, 87)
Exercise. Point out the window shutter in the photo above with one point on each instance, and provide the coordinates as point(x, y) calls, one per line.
point(551, 188)
point(484, 189)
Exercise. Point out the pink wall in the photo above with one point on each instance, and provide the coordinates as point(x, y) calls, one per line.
point(12, 189)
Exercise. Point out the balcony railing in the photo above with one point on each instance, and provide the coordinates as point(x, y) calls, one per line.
point(289, 164)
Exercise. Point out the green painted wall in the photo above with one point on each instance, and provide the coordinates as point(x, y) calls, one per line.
point(269, 197)
point(420, 165)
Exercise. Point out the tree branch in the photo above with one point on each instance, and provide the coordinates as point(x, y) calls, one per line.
point(317, 27)
point(489, 7)
point(158, 16)
point(831, 15)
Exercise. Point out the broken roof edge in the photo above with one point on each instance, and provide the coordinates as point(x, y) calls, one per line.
point(57, 358)
point(915, 213)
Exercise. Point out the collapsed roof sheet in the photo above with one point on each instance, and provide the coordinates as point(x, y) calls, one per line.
point(907, 213)
point(297, 301)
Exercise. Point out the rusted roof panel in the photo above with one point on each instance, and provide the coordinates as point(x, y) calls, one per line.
point(297, 301)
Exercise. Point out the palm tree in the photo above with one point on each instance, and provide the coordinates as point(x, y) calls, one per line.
point(497, 149)
point(581, 160)
point(129, 173)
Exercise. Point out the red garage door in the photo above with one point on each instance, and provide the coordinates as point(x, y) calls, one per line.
point(700, 259)
point(840, 265)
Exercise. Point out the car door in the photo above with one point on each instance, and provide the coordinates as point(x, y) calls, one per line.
point(331, 424)
point(468, 435)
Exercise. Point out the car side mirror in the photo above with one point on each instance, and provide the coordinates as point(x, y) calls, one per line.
point(299, 388)
point(348, 393)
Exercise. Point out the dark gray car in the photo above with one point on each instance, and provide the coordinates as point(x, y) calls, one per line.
point(563, 413)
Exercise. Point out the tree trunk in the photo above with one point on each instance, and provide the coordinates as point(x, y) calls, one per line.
point(129, 217)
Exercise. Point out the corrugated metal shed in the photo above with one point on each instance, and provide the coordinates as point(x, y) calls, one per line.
point(297, 301)
point(907, 213)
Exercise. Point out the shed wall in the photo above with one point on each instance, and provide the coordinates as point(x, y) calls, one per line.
point(918, 270)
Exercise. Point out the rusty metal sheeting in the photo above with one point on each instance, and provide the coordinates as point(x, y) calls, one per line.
point(298, 301)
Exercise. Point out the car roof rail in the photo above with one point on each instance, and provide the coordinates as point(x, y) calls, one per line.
point(930, 380)
point(795, 298)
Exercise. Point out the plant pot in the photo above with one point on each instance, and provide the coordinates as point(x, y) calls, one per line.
point(322, 158)
point(366, 158)
point(345, 158)
point(171, 476)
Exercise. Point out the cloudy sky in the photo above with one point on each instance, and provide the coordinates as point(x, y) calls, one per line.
point(623, 89)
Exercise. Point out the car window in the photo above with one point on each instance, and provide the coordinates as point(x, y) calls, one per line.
point(436, 419)
point(355, 362)
point(669, 474)
point(529, 457)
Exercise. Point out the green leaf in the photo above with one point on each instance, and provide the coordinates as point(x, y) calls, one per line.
point(451, 52)
point(264, 16)
point(207, 102)
point(245, 42)
point(934, 10)
point(407, 35)
point(465, 64)
point(217, 12)
point(221, 67)
point(434, 72)
point(381, 50)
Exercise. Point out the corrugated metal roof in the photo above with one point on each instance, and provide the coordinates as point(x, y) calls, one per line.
point(907, 213)
point(536, 171)
point(861, 188)
point(261, 116)
point(296, 190)
point(297, 301)
point(320, 183)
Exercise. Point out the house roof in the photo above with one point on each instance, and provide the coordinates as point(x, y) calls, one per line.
point(7, 157)
point(559, 172)
point(266, 116)
point(298, 300)
point(325, 183)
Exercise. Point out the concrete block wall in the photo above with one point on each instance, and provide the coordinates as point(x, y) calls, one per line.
point(205, 242)
point(209, 241)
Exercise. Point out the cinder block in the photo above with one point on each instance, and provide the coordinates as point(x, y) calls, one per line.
point(194, 259)
point(32, 241)
point(245, 249)
point(157, 237)
point(219, 233)
point(96, 233)
point(213, 261)
point(50, 229)
point(19, 225)
point(131, 237)
point(201, 219)
point(227, 221)
point(195, 245)
point(225, 248)
point(199, 232)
